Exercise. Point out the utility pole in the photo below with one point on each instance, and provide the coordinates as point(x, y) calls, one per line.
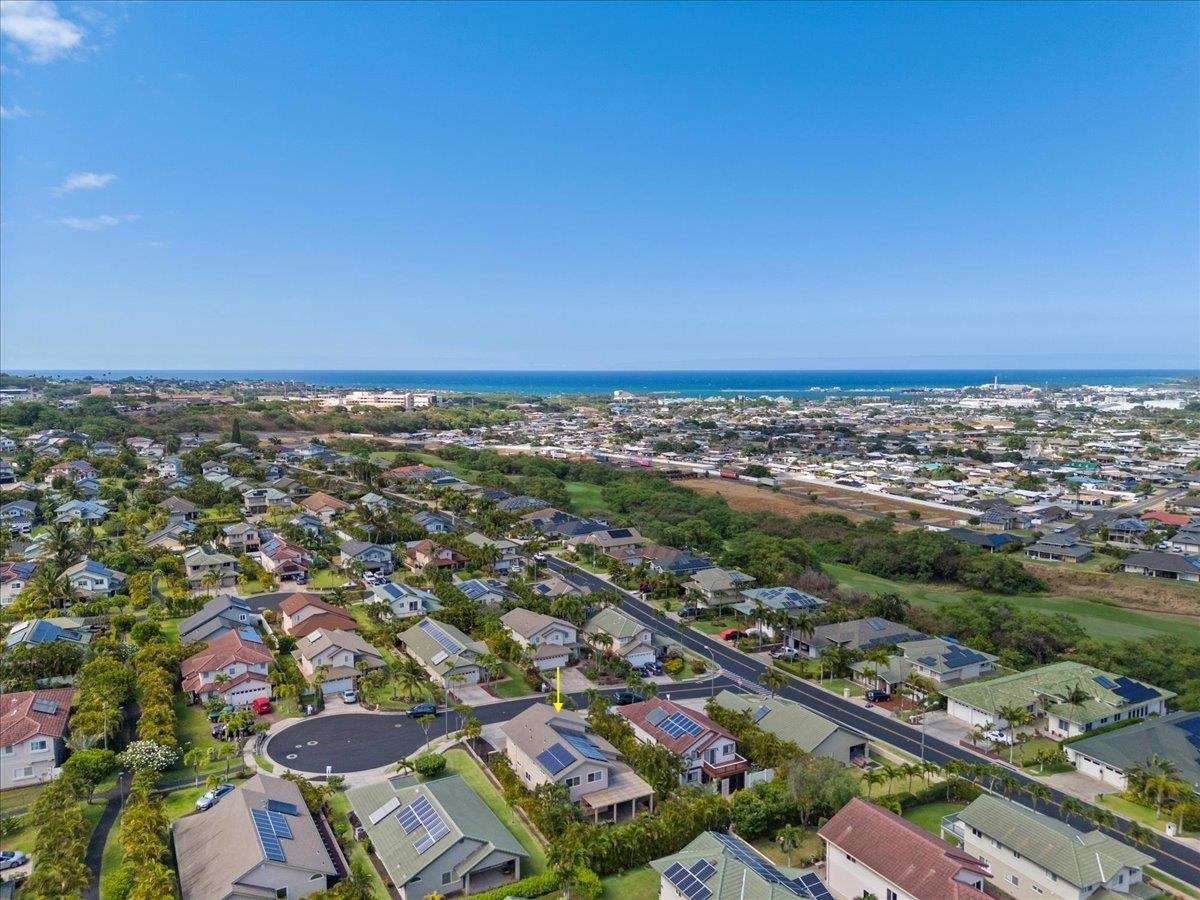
point(105, 724)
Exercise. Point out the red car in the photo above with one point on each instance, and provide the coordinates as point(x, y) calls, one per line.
point(732, 634)
point(261, 706)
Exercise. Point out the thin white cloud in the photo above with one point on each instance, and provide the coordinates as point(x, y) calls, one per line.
point(84, 181)
point(36, 27)
point(12, 112)
point(95, 223)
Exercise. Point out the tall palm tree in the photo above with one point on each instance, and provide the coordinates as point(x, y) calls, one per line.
point(1072, 807)
point(790, 837)
point(1036, 792)
point(62, 545)
point(873, 777)
point(1141, 835)
point(773, 680)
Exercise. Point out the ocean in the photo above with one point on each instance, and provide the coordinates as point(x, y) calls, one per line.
point(679, 383)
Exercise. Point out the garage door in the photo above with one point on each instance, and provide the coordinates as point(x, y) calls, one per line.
point(337, 685)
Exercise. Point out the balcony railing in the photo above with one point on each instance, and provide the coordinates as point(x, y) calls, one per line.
point(952, 825)
point(724, 770)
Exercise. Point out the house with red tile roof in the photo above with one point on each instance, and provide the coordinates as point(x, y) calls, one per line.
point(871, 850)
point(324, 506)
point(710, 749)
point(301, 614)
point(33, 725)
point(232, 668)
point(426, 555)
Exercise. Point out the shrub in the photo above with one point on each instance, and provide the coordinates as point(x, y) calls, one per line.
point(10, 825)
point(534, 886)
point(698, 666)
point(673, 666)
point(429, 765)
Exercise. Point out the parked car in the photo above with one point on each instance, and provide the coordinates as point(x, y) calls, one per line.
point(654, 668)
point(624, 698)
point(878, 696)
point(997, 736)
point(689, 612)
point(350, 696)
point(785, 653)
point(211, 798)
point(301, 578)
point(261, 705)
point(217, 713)
point(421, 710)
point(732, 634)
point(10, 859)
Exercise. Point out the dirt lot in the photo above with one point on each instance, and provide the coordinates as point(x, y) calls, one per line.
point(1133, 591)
point(794, 501)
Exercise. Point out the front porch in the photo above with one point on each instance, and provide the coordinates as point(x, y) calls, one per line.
point(623, 797)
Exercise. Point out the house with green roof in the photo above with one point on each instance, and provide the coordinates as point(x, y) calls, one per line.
point(435, 837)
point(446, 653)
point(1034, 857)
point(1072, 699)
point(718, 866)
point(810, 731)
point(1108, 756)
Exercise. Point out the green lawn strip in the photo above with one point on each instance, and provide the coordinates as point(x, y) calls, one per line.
point(929, 815)
point(1186, 889)
point(1099, 619)
point(810, 848)
point(838, 685)
point(459, 763)
point(1136, 812)
point(323, 579)
point(19, 798)
point(636, 884)
point(339, 807)
point(24, 838)
point(586, 498)
point(263, 763)
point(514, 685)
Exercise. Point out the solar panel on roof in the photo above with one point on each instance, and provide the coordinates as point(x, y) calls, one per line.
point(677, 724)
point(703, 870)
point(279, 824)
point(584, 745)
point(1133, 691)
point(656, 715)
point(435, 631)
point(281, 806)
point(555, 758)
point(812, 883)
point(1105, 682)
point(875, 624)
point(380, 814)
point(408, 819)
point(49, 707)
point(748, 857)
point(687, 884)
point(267, 836)
point(761, 713)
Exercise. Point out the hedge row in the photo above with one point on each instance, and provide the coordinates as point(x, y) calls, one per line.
point(534, 886)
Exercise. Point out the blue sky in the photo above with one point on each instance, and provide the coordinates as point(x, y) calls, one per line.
point(267, 185)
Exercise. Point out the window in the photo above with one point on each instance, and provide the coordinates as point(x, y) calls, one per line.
point(1016, 855)
point(573, 781)
point(39, 744)
point(976, 832)
point(891, 895)
point(281, 893)
point(446, 878)
point(9, 749)
point(1036, 889)
point(1012, 879)
point(26, 772)
point(594, 776)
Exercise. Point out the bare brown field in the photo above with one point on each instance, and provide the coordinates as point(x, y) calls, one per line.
point(746, 497)
point(1132, 591)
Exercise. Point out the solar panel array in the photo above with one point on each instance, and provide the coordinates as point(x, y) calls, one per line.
point(1191, 727)
point(1105, 682)
point(1133, 691)
point(281, 806)
point(555, 758)
point(876, 624)
point(268, 836)
point(584, 745)
point(656, 715)
point(380, 814)
point(806, 886)
point(677, 724)
point(49, 707)
point(431, 628)
point(688, 883)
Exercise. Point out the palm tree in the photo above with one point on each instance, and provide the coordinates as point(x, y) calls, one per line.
point(407, 676)
point(1015, 716)
point(1162, 786)
point(929, 770)
point(773, 680)
point(877, 656)
point(62, 545)
point(1008, 784)
point(1141, 835)
point(910, 771)
point(790, 837)
point(1071, 806)
point(1036, 792)
point(873, 777)
point(196, 757)
point(320, 674)
point(210, 580)
point(1101, 818)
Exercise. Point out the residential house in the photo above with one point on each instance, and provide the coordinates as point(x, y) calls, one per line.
point(324, 506)
point(556, 585)
point(1109, 755)
point(290, 486)
point(18, 516)
point(1185, 540)
point(260, 841)
point(449, 656)
point(33, 727)
point(1155, 564)
point(425, 556)
point(550, 642)
point(1128, 532)
point(872, 851)
point(174, 537)
point(311, 525)
point(782, 602)
point(341, 653)
point(628, 638)
point(1004, 519)
point(810, 731)
point(709, 749)
point(942, 661)
point(8, 474)
point(487, 591)
point(436, 837)
point(1058, 548)
point(1103, 698)
point(205, 568)
point(433, 522)
point(257, 501)
point(991, 542)
point(507, 552)
point(404, 600)
point(179, 508)
point(376, 503)
point(719, 587)
point(13, 578)
point(85, 512)
point(1033, 856)
point(548, 747)
point(72, 470)
point(92, 578)
point(217, 616)
point(283, 558)
point(62, 629)
point(240, 538)
point(603, 541)
point(722, 865)
point(170, 467)
point(372, 557)
point(232, 669)
point(301, 614)
point(214, 469)
point(857, 634)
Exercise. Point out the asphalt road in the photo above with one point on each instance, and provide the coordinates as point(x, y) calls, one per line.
point(1171, 857)
point(356, 741)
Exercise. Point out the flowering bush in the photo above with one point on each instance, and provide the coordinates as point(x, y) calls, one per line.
point(147, 756)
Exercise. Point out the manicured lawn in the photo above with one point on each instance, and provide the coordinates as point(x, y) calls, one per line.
point(1025, 754)
point(837, 685)
point(192, 726)
point(514, 685)
point(18, 798)
point(25, 837)
point(1098, 619)
point(929, 815)
point(810, 848)
point(636, 884)
point(339, 807)
point(323, 579)
point(459, 763)
point(585, 498)
point(1135, 812)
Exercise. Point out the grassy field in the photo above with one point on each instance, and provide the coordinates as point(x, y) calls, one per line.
point(459, 763)
point(513, 686)
point(19, 798)
point(810, 848)
point(585, 498)
point(23, 838)
point(929, 815)
point(1098, 619)
point(636, 884)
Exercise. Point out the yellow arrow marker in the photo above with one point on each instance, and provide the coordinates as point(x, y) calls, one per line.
point(558, 705)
